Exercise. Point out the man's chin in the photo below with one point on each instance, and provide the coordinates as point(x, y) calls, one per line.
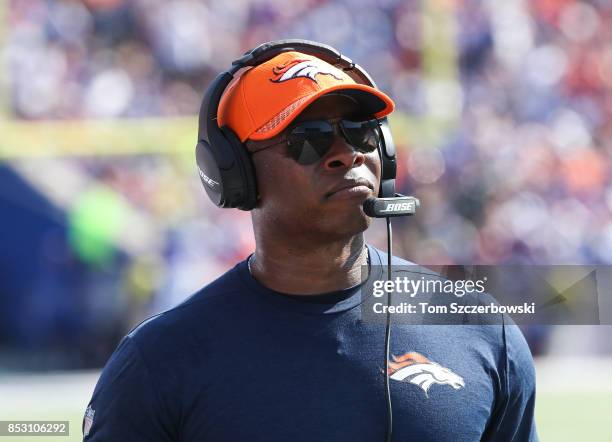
point(349, 223)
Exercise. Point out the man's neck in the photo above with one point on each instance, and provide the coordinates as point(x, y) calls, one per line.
point(309, 269)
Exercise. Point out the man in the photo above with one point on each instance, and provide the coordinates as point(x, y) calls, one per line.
point(276, 348)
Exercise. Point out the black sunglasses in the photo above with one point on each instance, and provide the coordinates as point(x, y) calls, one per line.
point(309, 141)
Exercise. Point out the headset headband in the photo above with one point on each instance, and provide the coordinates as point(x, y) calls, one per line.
point(267, 51)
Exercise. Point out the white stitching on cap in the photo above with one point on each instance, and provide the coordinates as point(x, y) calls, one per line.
point(281, 116)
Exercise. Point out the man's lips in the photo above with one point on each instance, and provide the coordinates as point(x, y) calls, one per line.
point(351, 188)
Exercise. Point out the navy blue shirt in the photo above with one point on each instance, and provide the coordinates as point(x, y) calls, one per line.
point(238, 362)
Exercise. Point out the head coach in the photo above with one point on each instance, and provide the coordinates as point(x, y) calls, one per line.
point(275, 350)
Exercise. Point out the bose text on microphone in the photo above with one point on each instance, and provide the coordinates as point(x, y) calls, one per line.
point(400, 205)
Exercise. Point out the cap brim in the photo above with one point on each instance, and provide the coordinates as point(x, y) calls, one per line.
point(372, 101)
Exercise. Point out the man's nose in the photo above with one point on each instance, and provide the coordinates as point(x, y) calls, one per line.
point(342, 156)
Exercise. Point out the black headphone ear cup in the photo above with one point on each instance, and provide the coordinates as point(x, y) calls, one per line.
point(244, 168)
point(210, 175)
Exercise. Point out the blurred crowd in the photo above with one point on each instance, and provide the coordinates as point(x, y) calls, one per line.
point(503, 127)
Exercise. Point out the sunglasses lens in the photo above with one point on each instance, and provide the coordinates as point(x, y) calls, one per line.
point(310, 141)
point(363, 136)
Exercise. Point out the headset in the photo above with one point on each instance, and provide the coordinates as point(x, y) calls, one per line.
point(224, 165)
point(228, 175)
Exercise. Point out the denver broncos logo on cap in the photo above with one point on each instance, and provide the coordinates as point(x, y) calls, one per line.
point(303, 68)
point(418, 370)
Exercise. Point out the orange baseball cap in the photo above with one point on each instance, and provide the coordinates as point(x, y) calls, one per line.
point(265, 99)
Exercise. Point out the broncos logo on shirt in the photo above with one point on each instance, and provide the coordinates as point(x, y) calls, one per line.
point(415, 368)
point(303, 68)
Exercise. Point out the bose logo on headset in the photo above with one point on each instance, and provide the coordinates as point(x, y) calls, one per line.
point(208, 180)
point(400, 207)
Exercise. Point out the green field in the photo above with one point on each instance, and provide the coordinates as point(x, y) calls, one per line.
point(573, 404)
point(575, 417)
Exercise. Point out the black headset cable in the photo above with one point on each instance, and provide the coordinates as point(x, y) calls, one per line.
point(388, 337)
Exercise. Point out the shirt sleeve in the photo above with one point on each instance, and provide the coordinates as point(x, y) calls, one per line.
point(125, 403)
point(514, 418)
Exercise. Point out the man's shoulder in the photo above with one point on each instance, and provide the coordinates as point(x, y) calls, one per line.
point(194, 315)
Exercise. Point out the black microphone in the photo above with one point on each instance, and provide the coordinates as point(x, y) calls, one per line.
point(399, 205)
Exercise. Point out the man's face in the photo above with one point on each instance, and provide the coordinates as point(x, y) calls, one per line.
point(323, 200)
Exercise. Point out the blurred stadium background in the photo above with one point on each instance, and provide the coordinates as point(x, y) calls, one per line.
point(503, 126)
